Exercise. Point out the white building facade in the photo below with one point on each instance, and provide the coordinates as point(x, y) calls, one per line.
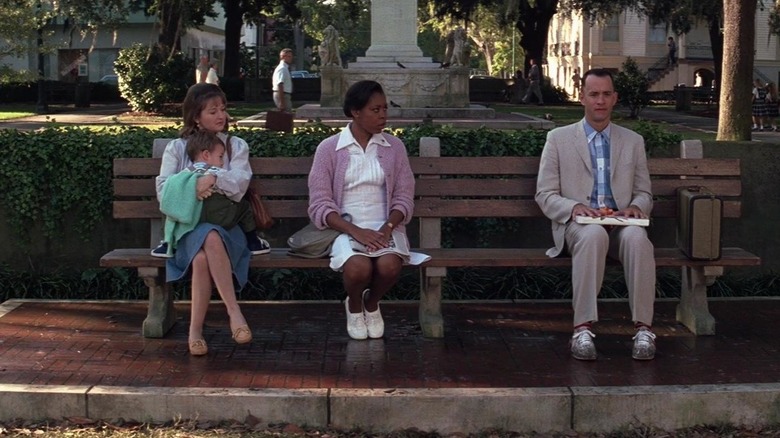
point(575, 44)
point(92, 56)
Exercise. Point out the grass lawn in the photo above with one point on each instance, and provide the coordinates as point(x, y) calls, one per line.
point(566, 114)
point(16, 111)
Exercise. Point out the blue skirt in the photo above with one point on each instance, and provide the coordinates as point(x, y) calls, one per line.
point(177, 268)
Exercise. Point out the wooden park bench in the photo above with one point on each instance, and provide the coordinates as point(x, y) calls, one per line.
point(446, 187)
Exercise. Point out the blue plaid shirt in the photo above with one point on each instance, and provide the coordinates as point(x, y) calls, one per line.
point(598, 144)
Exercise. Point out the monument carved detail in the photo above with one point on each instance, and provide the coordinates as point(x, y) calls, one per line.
point(329, 48)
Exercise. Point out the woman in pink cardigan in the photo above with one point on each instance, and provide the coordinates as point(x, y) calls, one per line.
point(361, 184)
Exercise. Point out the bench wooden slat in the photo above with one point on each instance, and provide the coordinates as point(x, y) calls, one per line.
point(137, 167)
point(150, 209)
point(535, 257)
point(470, 187)
point(443, 257)
point(723, 187)
point(268, 187)
point(423, 208)
point(138, 188)
point(141, 257)
point(453, 166)
point(470, 166)
point(694, 167)
point(281, 165)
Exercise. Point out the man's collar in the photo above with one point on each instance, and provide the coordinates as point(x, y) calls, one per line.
point(591, 131)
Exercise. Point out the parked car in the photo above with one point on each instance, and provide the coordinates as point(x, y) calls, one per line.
point(110, 80)
point(302, 74)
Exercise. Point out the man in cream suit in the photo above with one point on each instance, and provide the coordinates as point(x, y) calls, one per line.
point(585, 167)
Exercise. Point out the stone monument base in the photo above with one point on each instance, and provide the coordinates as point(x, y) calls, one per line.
point(430, 87)
point(474, 112)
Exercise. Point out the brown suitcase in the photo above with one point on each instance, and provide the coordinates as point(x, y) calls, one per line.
point(279, 121)
point(700, 213)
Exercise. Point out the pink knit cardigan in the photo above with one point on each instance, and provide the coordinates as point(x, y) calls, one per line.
point(326, 179)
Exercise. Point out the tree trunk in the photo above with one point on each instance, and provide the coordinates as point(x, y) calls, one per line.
point(170, 26)
point(739, 35)
point(533, 24)
point(233, 22)
point(485, 49)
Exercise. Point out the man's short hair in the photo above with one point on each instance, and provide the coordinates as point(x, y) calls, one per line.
point(284, 52)
point(598, 72)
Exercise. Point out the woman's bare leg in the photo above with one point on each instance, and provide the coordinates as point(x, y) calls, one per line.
point(357, 275)
point(387, 271)
point(222, 275)
point(201, 294)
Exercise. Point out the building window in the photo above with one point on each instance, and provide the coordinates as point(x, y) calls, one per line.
point(657, 34)
point(611, 31)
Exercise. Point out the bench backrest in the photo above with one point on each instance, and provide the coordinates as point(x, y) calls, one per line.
point(445, 186)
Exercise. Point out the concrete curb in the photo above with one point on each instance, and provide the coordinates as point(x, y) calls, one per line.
point(447, 411)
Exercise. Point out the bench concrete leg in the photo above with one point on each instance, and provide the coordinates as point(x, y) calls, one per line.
point(161, 315)
point(693, 310)
point(431, 320)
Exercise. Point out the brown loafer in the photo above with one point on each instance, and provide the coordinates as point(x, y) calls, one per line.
point(198, 347)
point(242, 335)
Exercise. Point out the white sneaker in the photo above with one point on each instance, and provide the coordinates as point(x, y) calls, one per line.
point(374, 322)
point(582, 345)
point(356, 323)
point(644, 344)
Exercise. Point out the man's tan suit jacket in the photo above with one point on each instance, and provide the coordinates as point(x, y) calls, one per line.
point(566, 176)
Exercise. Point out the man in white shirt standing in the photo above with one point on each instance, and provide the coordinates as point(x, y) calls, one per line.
point(211, 76)
point(202, 70)
point(282, 81)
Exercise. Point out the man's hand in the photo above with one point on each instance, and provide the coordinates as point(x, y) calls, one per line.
point(583, 210)
point(631, 211)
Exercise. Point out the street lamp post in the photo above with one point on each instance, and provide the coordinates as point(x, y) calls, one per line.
point(513, 51)
point(41, 107)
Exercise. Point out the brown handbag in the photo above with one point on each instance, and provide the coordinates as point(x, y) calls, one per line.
point(279, 121)
point(263, 219)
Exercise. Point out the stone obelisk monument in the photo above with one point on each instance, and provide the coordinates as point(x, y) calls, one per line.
point(394, 32)
point(416, 86)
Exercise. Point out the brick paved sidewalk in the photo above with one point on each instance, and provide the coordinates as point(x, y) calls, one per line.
point(305, 345)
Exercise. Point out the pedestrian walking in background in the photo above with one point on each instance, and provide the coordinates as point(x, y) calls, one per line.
point(202, 70)
point(212, 77)
point(672, 45)
point(575, 81)
point(519, 88)
point(282, 81)
point(534, 84)
point(759, 105)
point(772, 110)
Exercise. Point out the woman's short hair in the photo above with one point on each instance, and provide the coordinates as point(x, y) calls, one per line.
point(359, 94)
point(194, 102)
